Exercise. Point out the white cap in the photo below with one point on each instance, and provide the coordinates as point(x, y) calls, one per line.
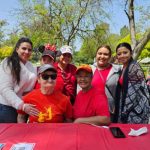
point(66, 49)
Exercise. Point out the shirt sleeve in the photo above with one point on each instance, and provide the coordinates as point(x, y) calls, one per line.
point(7, 87)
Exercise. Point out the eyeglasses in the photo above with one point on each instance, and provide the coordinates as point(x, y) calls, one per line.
point(47, 76)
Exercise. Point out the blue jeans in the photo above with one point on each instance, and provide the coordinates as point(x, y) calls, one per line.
point(8, 114)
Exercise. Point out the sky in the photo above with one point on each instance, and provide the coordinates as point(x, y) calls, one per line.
point(117, 21)
point(6, 8)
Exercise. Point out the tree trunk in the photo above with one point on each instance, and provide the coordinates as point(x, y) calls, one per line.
point(137, 46)
point(132, 23)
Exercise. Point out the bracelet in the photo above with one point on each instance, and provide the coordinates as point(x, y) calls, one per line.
point(20, 106)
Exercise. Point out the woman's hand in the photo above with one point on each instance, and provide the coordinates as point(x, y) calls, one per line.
point(30, 109)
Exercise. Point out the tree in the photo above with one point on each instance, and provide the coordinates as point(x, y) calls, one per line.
point(137, 45)
point(101, 35)
point(124, 31)
point(60, 21)
point(2, 24)
point(5, 51)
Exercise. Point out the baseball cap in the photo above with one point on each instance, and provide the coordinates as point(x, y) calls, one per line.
point(84, 67)
point(66, 49)
point(45, 67)
point(49, 53)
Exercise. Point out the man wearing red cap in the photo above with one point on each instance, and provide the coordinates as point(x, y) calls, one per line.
point(90, 106)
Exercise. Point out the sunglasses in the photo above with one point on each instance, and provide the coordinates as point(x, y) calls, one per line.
point(46, 76)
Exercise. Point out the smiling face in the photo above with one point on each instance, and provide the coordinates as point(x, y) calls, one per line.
point(84, 79)
point(65, 58)
point(102, 57)
point(124, 55)
point(24, 51)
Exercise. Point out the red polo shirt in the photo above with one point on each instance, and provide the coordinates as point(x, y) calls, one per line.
point(90, 103)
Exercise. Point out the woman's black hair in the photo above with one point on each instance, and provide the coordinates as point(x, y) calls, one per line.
point(126, 45)
point(14, 60)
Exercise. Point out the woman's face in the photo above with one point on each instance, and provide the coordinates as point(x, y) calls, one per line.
point(102, 57)
point(123, 55)
point(65, 58)
point(24, 51)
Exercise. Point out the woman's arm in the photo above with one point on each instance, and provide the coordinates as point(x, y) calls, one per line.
point(7, 84)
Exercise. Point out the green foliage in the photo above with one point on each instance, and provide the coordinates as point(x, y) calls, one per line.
point(57, 21)
point(124, 31)
point(87, 52)
point(5, 52)
point(145, 52)
point(61, 21)
point(100, 36)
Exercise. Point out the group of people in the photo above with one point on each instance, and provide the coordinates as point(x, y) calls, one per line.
point(58, 91)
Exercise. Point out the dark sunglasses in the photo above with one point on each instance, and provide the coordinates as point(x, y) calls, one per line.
point(46, 76)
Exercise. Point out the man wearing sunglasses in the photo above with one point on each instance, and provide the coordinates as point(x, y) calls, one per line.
point(54, 107)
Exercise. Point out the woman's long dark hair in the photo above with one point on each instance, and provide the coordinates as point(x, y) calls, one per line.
point(14, 60)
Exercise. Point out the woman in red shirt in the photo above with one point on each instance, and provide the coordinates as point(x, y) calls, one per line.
point(106, 76)
point(66, 81)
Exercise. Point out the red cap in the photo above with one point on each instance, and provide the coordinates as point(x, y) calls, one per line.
point(49, 53)
point(84, 67)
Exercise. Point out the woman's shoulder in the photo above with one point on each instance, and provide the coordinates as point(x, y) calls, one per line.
point(134, 64)
point(4, 66)
point(29, 64)
point(72, 66)
point(30, 67)
point(116, 67)
point(4, 62)
point(134, 69)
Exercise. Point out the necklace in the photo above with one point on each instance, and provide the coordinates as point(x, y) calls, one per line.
point(103, 67)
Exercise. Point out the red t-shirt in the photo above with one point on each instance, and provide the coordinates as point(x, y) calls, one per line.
point(53, 108)
point(98, 82)
point(121, 80)
point(90, 103)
